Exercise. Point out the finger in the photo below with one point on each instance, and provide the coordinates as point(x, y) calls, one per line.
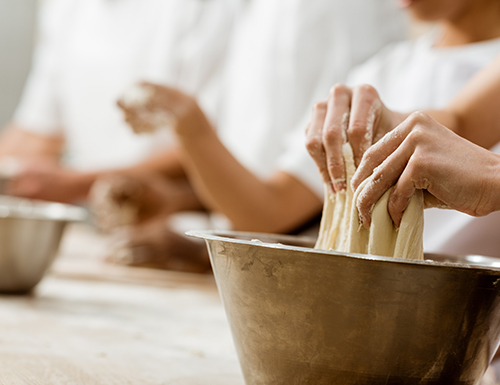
point(401, 195)
point(122, 105)
point(314, 141)
point(335, 133)
point(382, 179)
point(380, 151)
point(365, 114)
point(431, 201)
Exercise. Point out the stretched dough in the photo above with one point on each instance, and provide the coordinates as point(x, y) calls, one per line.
point(340, 228)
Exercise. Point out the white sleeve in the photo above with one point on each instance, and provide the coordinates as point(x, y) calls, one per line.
point(205, 35)
point(297, 162)
point(37, 111)
point(338, 24)
point(348, 45)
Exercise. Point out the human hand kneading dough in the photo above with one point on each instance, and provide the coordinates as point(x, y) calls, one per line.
point(422, 154)
point(354, 114)
point(124, 199)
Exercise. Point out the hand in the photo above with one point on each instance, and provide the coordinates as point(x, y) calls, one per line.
point(121, 199)
point(160, 106)
point(48, 181)
point(153, 244)
point(356, 115)
point(422, 154)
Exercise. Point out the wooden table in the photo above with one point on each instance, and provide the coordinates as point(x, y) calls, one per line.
point(89, 322)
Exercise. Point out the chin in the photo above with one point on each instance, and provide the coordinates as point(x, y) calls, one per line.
point(405, 4)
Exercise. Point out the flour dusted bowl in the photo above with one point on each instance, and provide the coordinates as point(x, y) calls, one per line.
point(304, 316)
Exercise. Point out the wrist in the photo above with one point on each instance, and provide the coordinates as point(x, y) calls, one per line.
point(193, 123)
point(494, 185)
point(81, 184)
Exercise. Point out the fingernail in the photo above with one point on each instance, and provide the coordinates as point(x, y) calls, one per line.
point(360, 218)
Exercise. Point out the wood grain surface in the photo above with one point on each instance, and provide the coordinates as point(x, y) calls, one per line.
point(92, 323)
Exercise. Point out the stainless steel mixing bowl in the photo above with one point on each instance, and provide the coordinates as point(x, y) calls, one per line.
point(304, 316)
point(30, 232)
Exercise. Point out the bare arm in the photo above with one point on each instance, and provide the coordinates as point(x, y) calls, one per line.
point(475, 112)
point(19, 143)
point(359, 116)
point(274, 205)
point(167, 163)
point(423, 154)
point(44, 178)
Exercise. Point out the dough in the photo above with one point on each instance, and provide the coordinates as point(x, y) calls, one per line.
point(340, 229)
point(136, 98)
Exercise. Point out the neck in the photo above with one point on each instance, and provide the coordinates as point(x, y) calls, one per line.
point(478, 23)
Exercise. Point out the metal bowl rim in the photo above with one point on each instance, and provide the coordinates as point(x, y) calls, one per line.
point(230, 236)
point(13, 207)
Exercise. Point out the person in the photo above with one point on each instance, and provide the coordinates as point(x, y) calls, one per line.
point(431, 150)
point(281, 56)
point(427, 74)
point(422, 154)
point(67, 130)
point(473, 115)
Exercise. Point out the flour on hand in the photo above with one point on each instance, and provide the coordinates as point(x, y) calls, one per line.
point(341, 230)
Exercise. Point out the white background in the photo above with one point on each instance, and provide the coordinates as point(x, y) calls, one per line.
point(17, 36)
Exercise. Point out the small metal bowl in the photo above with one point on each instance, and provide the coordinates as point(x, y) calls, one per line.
point(305, 316)
point(30, 232)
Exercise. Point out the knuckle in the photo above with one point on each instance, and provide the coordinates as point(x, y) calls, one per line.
point(338, 90)
point(370, 153)
point(332, 135)
point(335, 168)
point(319, 106)
point(367, 91)
point(358, 128)
point(418, 117)
point(378, 175)
point(314, 145)
point(417, 135)
point(363, 205)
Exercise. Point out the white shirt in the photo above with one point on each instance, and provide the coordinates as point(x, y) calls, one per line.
point(284, 56)
point(411, 76)
point(90, 51)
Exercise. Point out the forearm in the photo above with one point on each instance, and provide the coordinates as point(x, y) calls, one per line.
point(447, 118)
point(166, 163)
point(79, 185)
point(279, 204)
point(19, 143)
point(491, 174)
point(474, 113)
point(250, 203)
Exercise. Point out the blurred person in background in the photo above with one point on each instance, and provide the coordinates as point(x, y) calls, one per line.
point(67, 129)
point(421, 75)
point(283, 54)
